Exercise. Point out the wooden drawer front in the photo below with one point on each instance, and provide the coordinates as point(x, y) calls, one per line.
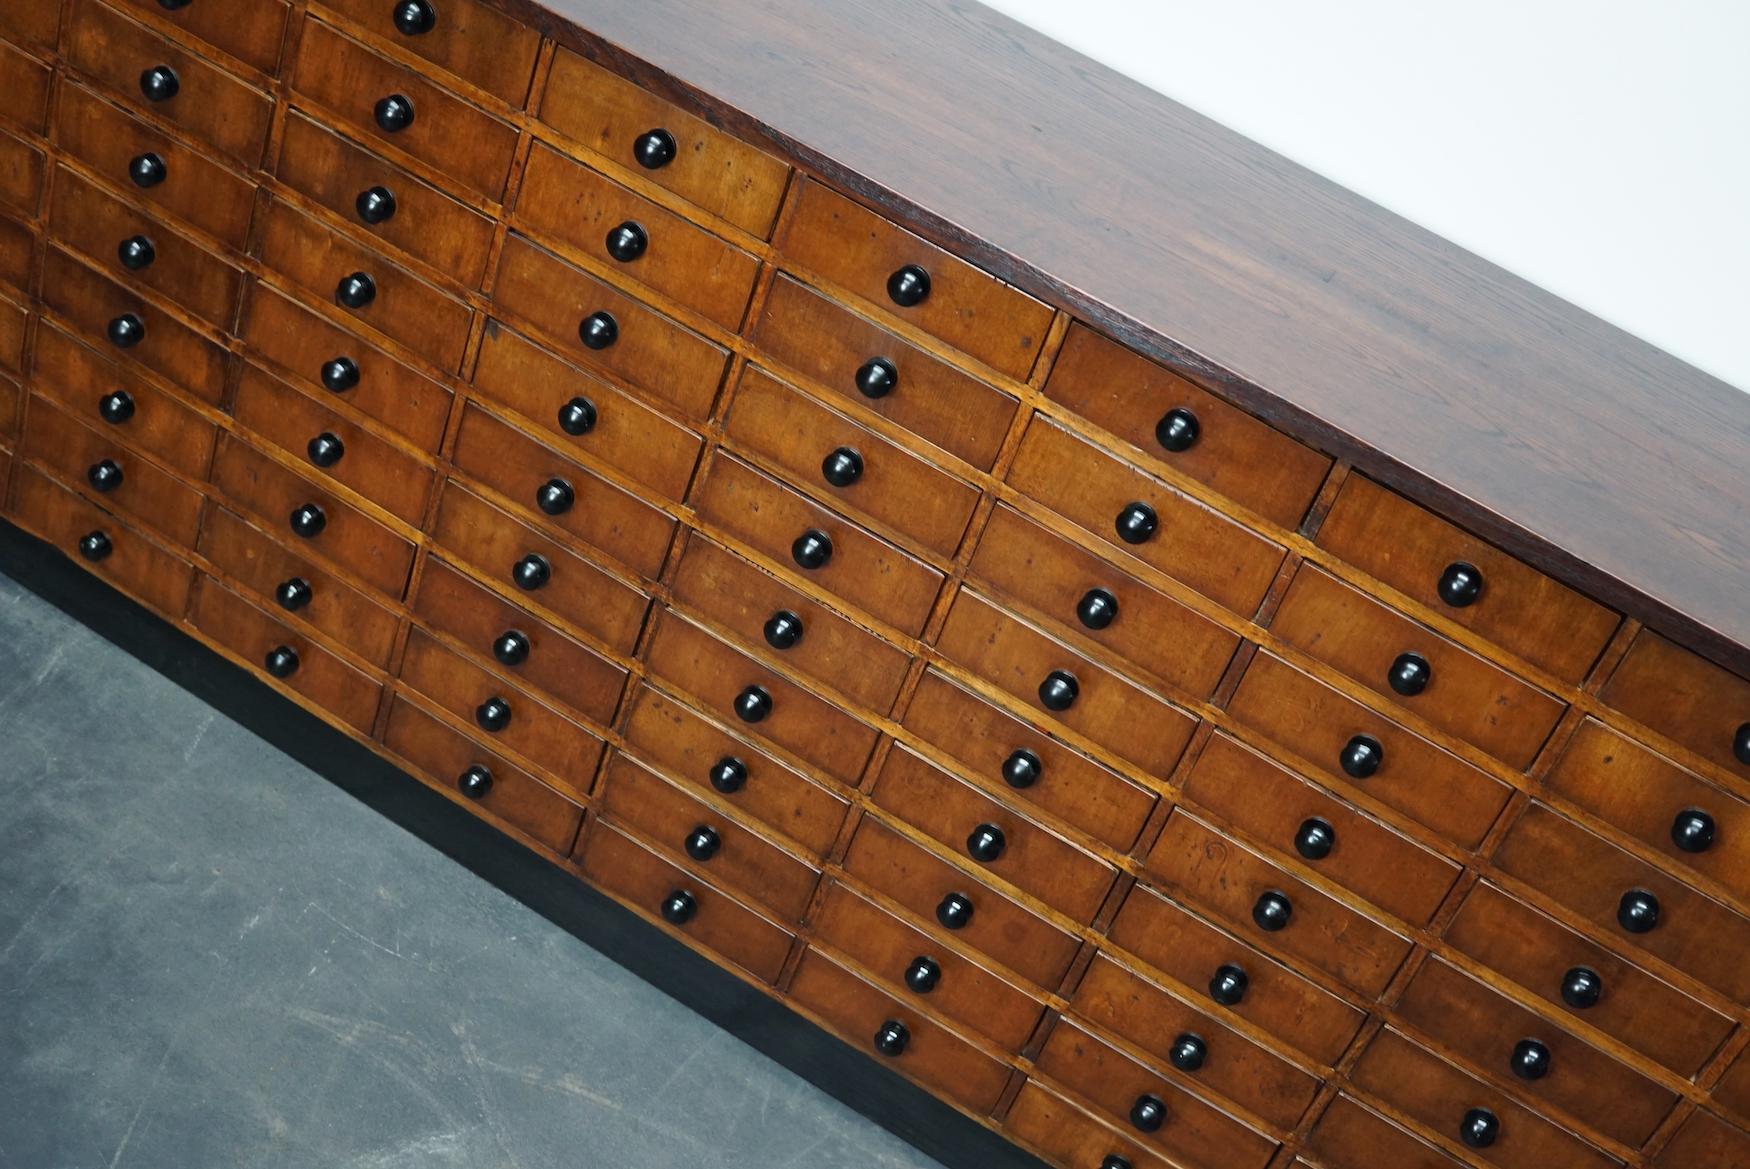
point(515, 797)
point(209, 103)
point(1242, 458)
point(921, 882)
point(1518, 608)
point(11, 406)
point(969, 309)
point(169, 348)
point(471, 39)
point(742, 860)
point(403, 307)
point(1050, 776)
point(893, 487)
point(427, 224)
point(1705, 1142)
point(888, 948)
point(1107, 709)
point(1348, 1136)
point(245, 478)
point(344, 691)
point(1235, 882)
point(718, 922)
point(731, 592)
point(610, 115)
point(1433, 1092)
point(582, 208)
point(14, 322)
point(799, 721)
point(152, 497)
point(1484, 1028)
point(194, 189)
point(804, 331)
point(870, 573)
point(22, 167)
point(18, 248)
point(1152, 632)
point(932, 1055)
point(556, 664)
point(1272, 805)
point(495, 544)
point(1030, 857)
point(132, 563)
point(604, 516)
point(1066, 1135)
point(249, 30)
point(644, 347)
point(466, 144)
point(1235, 1067)
point(1733, 1088)
point(1688, 700)
point(248, 556)
point(1635, 1008)
point(24, 89)
point(35, 25)
point(627, 435)
point(1320, 725)
point(1591, 877)
point(304, 344)
point(1191, 542)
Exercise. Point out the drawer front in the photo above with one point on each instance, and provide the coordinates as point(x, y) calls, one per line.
point(1705, 1142)
point(14, 327)
point(249, 30)
point(135, 486)
point(35, 25)
point(11, 407)
point(18, 248)
point(24, 89)
point(1688, 700)
point(470, 39)
point(22, 166)
point(804, 331)
point(1351, 1137)
point(1052, 1125)
point(969, 309)
point(1733, 1089)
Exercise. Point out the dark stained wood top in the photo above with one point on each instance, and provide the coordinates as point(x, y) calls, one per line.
point(1595, 455)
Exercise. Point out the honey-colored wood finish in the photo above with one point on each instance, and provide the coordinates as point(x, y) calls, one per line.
point(473, 41)
point(33, 25)
point(1688, 700)
point(1351, 1136)
point(149, 496)
point(249, 30)
point(21, 174)
point(24, 89)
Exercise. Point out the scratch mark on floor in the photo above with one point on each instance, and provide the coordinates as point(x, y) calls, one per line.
point(24, 927)
point(365, 938)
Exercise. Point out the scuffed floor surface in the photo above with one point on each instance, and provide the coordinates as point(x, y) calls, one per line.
point(211, 957)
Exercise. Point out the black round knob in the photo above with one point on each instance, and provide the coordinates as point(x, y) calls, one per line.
point(116, 408)
point(1228, 986)
point(147, 170)
point(654, 149)
point(1188, 1052)
point(173, 5)
point(1741, 744)
point(1058, 691)
point(1177, 430)
point(282, 661)
point(877, 378)
point(922, 975)
point(577, 416)
point(375, 205)
point(1136, 523)
point(309, 520)
point(531, 572)
point(293, 594)
point(679, 907)
point(955, 911)
point(340, 375)
point(105, 475)
point(627, 242)
point(95, 546)
point(812, 549)
point(783, 629)
point(1315, 840)
point(842, 467)
point(986, 843)
point(1022, 768)
point(1582, 988)
point(702, 843)
point(909, 286)
point(1410, 674)
point(1271, 911)
point(475, 782)
point(1638, 911)
point(1479, 1128)
point(159, 83)
point(1114, 1161)
point(512, 647)
point(1693, 830)
point(393, 113)
point(136, 252)
point(325, 449)
point(891, 1039)
point(1361, 757)
point(126, 331)
point(598, 330)
point(555, 497)
point(728, 775)
point(1530, 1060)
point(1097, 609)
point(414, 17)
point(493, 715)
point(1461, 584)
point(356, 291)
point(753, 704)
point(1148, 1114)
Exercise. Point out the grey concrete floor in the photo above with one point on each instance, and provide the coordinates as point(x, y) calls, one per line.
point(209, 956)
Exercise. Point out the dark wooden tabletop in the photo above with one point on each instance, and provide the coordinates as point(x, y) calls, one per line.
point(1613, 464)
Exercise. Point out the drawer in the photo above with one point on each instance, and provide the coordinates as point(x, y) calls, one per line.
point(1117, 714)
point(1688, 700)
point(1030, 767)
point(317, 352)
point(249, 557)
point(132, 485)
point(1020, 851)
point(1434, 1093)
point(1306, 924)
point(565, 494)
point(401, 306)
point(1705, 1142)
point(1486, 1029)
point(612, 425)
point(24, 89)
point(585, 210)
point(1733, 1089)
point(249, 30)
point(673, 149)
point(1634, 1007)
point(489, 626)
point(186, 184)
point(1177, 535)
point(692, 750)
point(18, 247)
point(11, 407)
point(1348, 1136)
point(1066, 1135)
point(14, 328)
point(926, 1051)
point(305, 429)
point(969, 309)
point(625, 338)
point(22, 166)
point(936, 891)
point(472, 40)
point(495, 545)
point(1148, 630)
point(1595, 880)
point(729, 591)
point(247, 479)
point(882, 580)
point(207, 102)
point(1274, 807)
point(422, 221)
point(1161, 1024)
point(841, 352)
point(515, 720)
point(712, 920)
point(128, 561)
point(464, 143)
point(916, 967)
point(1363, 751)
point(512, 796)
point(311, 671)
point(1466, 580)
point(732, 855)
point(33, 25)
point(728, 683)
